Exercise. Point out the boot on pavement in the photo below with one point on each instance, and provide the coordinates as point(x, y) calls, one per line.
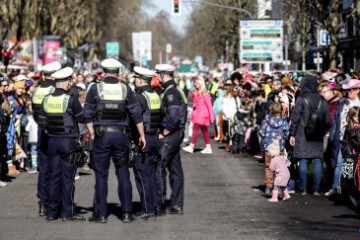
point(286, 194)
point(274, 197)
point(228, 148)
point(12, 171)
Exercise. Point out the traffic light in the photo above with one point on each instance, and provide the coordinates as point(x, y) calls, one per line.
point(176, 7)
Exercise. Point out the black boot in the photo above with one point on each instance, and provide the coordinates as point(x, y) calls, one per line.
point(42, 211)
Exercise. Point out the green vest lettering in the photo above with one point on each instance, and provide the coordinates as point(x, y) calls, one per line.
point(108, 92)
point(153, 100)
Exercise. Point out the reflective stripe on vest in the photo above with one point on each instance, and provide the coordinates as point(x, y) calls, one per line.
point(179, 90)
point(114, 92)
point(153, 100)
point(40, 94)
point(56, 104)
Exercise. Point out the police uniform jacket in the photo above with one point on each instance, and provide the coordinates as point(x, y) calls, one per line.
point(110, 112)
point(60, 114)
point(150, 104)
point(174, 107)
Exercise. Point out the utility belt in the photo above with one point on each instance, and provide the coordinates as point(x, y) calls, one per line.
point(100, 130)
point(78, 158)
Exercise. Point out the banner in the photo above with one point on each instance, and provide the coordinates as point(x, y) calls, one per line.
point(141, 44)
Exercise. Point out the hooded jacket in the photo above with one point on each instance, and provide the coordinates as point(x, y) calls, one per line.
point(219, 102)
point(274, 128)
point(305, 149)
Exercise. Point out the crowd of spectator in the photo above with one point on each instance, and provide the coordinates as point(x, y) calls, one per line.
point(250, 113)
point(313, 118)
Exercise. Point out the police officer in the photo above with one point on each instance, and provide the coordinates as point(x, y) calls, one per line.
point(144, 162)
point(59, 115)
point(107, 109)
point(46, 88)
point(174, 113)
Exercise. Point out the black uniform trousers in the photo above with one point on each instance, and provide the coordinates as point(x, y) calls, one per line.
point(115, 145)
point(61, 175)
point(144, 171)
point(169, 158)
point(42, 146)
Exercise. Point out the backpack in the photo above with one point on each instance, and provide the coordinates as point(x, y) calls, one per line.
point(315, 129)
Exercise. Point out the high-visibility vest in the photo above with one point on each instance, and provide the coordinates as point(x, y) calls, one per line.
point(112, 104)
point(152, 115)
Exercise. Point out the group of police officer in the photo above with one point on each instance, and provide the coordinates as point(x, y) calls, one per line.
point(141, 130)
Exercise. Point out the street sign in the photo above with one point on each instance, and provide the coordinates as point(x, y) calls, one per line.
point(112, 49)
point(168, 48)
point(261, 24)
point(250, 33)
point(261, 44)
point(262, 57)
point(261, 41)
point(324, 37)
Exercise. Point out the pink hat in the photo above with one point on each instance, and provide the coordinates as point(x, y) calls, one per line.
point(353, 83)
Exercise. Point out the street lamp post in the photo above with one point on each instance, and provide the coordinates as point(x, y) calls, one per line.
point(287, 44)
point(221, 6)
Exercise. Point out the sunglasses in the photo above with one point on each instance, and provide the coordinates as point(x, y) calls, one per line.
point(4, 85)
point(228, 84)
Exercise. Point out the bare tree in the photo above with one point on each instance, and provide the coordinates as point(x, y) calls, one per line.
point(329, 14)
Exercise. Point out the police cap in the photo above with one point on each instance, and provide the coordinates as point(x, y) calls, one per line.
point(111, 65)
point(50, 68)
point(143, 73)
point(165, 69)
point(63, 74)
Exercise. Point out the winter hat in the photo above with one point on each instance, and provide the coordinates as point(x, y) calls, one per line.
point(19, 84)
point(274, 148)
point(286, 81)
point(29, 83)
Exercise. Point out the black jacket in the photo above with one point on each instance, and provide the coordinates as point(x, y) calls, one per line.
point(301, 115)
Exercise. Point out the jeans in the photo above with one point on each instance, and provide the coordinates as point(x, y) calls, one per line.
point(303, 173)
point(337, 170)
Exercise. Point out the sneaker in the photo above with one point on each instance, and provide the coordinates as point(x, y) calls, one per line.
point(3, 184)
point(316, 193)
point(86, 167)
point(291, 191)
point(77, 175)
point(330, 193)
point(303, 193)
point(267, 192)
point(32, 170)
point(258, 156)
point(140, 215)
point(188, 149)
point(206, 151)
point(217, 138)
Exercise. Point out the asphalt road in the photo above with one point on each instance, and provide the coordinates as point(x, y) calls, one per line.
point(222, 201)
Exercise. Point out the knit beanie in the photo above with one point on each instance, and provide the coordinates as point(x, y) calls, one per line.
point(274, 148)
point(286, 81)
point(19, 84)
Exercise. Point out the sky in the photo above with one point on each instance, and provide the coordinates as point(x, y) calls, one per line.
point(179, 22)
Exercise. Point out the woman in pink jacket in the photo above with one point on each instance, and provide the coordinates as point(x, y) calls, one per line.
point(202, 116)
